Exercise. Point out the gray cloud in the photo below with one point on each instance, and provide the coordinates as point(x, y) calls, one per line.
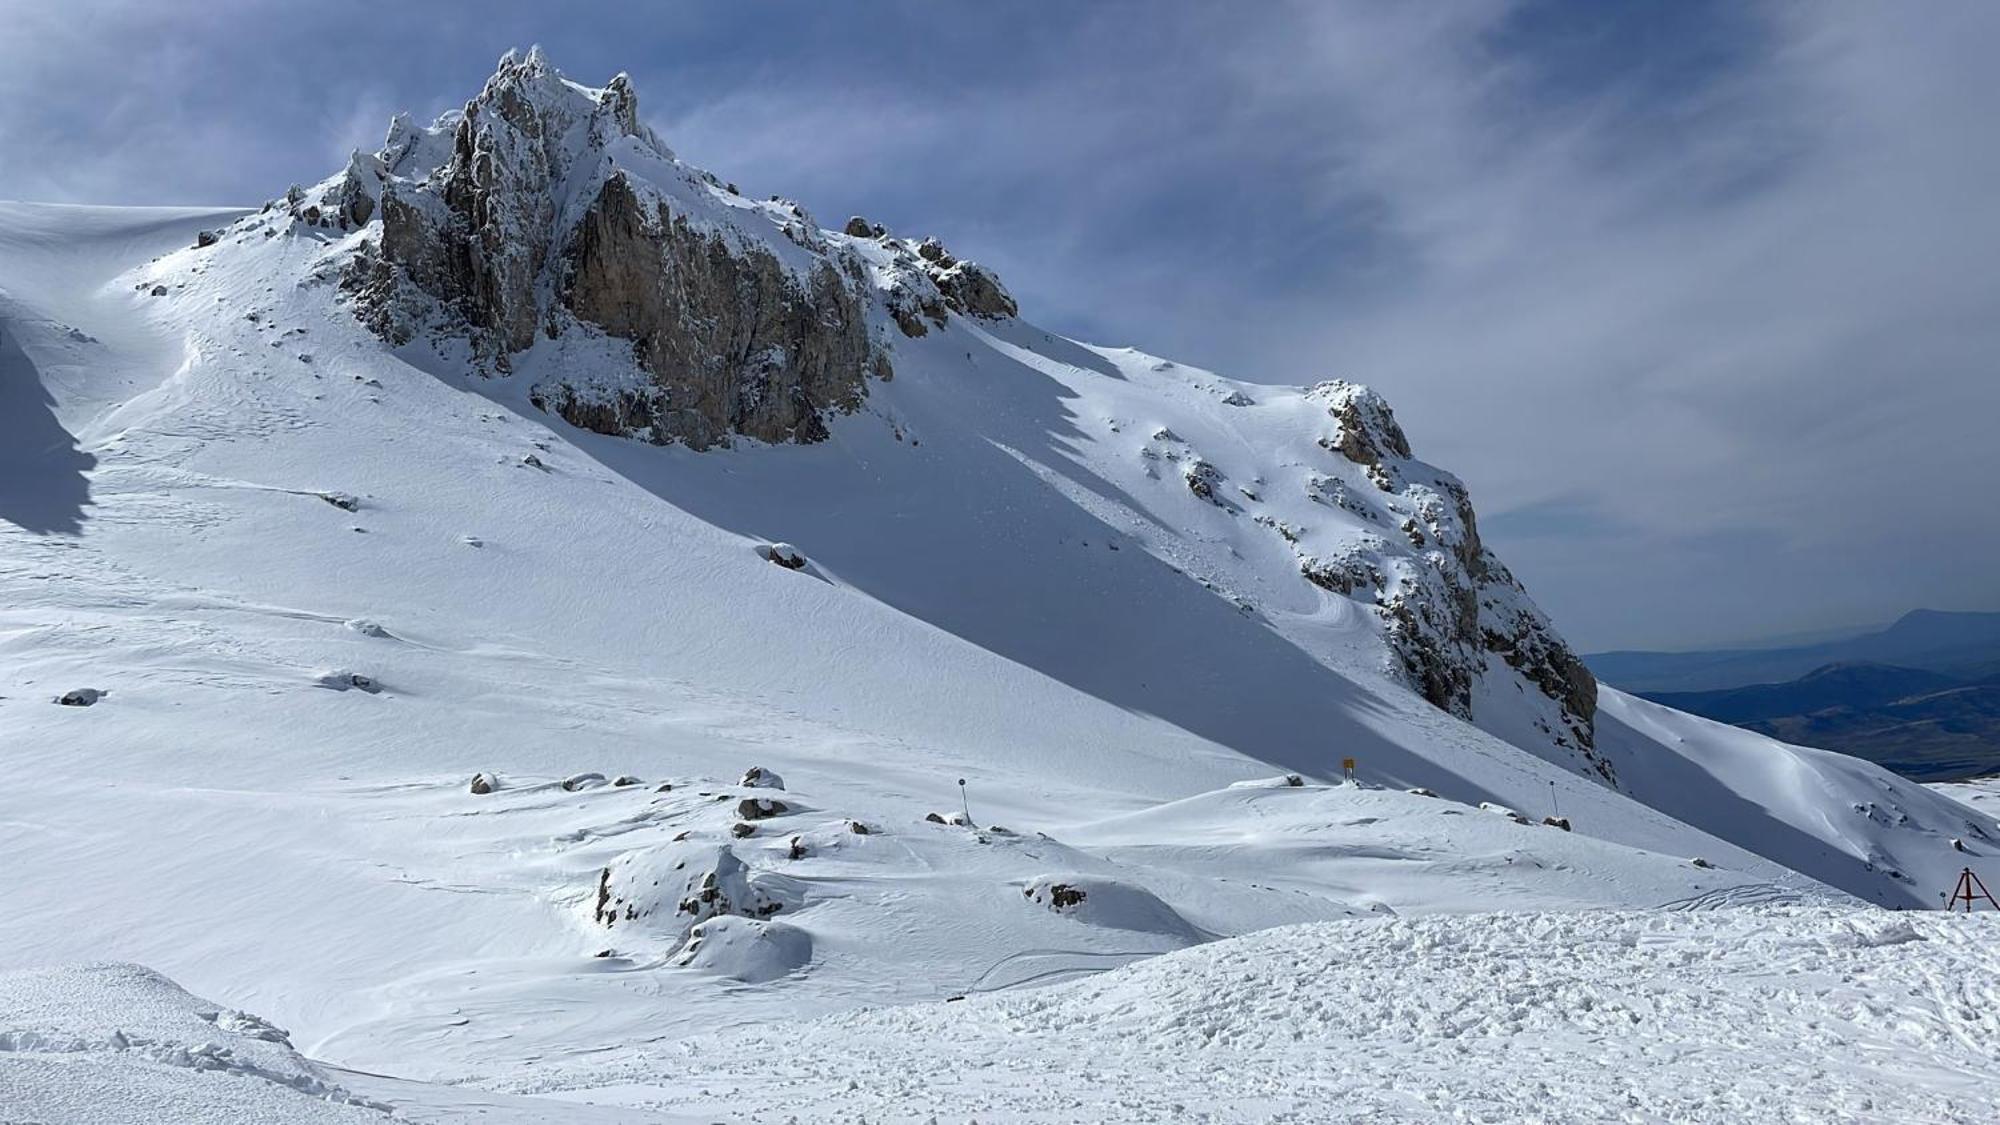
point(1697, 298)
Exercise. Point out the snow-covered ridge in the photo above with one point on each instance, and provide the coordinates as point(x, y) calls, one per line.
point(546, 217)
point(546, 224)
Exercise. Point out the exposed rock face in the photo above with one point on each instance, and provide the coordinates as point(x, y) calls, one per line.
point(1449, 605)
point(735, 341)
point(554, 211)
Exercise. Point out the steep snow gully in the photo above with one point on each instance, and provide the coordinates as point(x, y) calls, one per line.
point(541, 623)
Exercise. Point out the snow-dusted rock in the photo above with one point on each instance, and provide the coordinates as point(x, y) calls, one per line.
point(757, 777)
point(557, 210)
point(1451, 610)
point(343, 680)
point(1111, 903)
point(760, 808)
point(752, 950)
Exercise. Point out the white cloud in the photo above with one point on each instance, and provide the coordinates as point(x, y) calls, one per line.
point(1709, 303)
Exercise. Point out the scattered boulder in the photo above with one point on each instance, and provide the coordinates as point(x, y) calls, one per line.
point(797, 848)
point(933, 818)
point(1503, 810)
point(1201, 478)
point(578, 781)
point(742, 829)
point(531, 461)
point(1282, 781)
point(1561, 822)
point(624, 779)
point(483, 783)
point(205, 239)
point(858, 828)
point(751, 950)
point(80, 697)
point(785, 555)
point(348, 681)
point(1957, 844)
point(1109, 903)
point(159, 291)
point(346, 502)
point(757, 777)
point(1420, 791)
point(1700, 862)
point(760, 808)
point(1059, 896)
point(367, 628)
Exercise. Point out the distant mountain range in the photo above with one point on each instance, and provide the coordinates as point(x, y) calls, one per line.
point(1921, 697)
point(1964, 646)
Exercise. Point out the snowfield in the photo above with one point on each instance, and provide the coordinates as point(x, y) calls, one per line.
point(983, 760)
point(1731, 1014)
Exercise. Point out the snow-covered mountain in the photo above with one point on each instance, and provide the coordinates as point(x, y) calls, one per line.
point(522, 598)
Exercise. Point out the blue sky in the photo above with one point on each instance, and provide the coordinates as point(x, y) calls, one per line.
point(1700, 299)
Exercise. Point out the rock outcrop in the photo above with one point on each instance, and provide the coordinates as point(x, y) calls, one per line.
point(1450, 608)
point(553, 217)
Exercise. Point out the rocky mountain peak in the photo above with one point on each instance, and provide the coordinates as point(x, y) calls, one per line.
point(553, 217)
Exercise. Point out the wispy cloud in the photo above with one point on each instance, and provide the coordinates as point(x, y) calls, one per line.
point(1697, 297)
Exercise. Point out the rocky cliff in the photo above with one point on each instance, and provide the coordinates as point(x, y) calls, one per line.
point(1450, 607)
point(545, 210)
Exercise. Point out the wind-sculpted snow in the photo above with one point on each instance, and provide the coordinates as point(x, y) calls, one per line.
point(1726, 1016)
point(108, 1044)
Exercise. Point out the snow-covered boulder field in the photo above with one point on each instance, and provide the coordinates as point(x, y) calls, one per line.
point(538, 620)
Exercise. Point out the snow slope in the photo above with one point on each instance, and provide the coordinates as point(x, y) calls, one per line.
point(1726, 1016)
point(1719, 1015)
point(324, 582)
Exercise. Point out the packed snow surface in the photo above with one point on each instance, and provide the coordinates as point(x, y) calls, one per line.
point(1738, 1013)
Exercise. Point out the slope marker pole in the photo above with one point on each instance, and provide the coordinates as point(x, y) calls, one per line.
point(1969, 890)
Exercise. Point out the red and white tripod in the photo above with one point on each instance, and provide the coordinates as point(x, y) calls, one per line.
point(1968, 891)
